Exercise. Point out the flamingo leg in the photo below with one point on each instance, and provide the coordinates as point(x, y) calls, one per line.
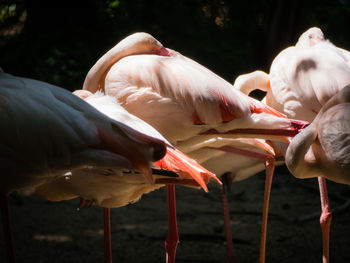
point(6, 223)
point(226, 212)
point(270, 167)
point(325, 219)
point(269, 162)
point(173, 237)
point(107, 234)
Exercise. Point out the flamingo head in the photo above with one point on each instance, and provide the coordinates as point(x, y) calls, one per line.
point(163, 52)
point(143, 43)
point(310, 37)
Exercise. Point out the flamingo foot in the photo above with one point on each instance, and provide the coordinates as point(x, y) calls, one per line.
point(6, 223)
point(325, 219)
point(172, 239)
point(107, 234)
point(227, 181)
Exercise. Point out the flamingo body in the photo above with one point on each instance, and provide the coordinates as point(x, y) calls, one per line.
point(303, 77)
point(302, 80)
point(323, 148)
point(179, 91)
point(176, 95)
point(110, 190)
point(48, 132)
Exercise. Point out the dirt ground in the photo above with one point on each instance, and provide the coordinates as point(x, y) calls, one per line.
point(57, 232)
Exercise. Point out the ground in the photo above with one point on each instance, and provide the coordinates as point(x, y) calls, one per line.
point(57, 232)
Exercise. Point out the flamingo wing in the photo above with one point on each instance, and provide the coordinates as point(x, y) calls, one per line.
point(177, 90)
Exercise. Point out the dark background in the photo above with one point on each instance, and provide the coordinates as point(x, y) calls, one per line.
point(59, 40)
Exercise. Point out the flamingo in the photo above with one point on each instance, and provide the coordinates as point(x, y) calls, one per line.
point(117, 191)
point(184, 100)
point(302, 79)
point(48, 132)
point(322, 149)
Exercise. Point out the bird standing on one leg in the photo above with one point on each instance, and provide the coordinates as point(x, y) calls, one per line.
point(48, 132)
point(182, 99)
point(322, 149)
point(121, 189)
point(302, 79)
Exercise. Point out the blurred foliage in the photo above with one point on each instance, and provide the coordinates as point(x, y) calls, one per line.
point(59, 40)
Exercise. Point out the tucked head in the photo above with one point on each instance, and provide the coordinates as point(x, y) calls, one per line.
point(310, 37)
point(146, 43)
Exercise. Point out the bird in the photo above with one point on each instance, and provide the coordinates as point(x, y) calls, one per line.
point(301, 80)
point(115, 191)
point(182, 99)
point(302, 77)
point(47, 132)
point(322, 149)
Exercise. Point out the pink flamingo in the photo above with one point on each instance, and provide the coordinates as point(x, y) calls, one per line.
point(183, 100)
point(302, 79)
point(322, 150)
point(48, 132)
point(125, 188)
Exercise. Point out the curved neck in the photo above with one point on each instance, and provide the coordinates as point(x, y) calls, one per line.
point(256, 80)
point(299, 153)
point(94, 79)
point(135, 44)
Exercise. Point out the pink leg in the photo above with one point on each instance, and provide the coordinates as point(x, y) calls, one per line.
point(269, 162)
point(6, 223)
point(107, 234)
point(270, 167)
point(325, 219)
point(173, 237)
point(228, 233)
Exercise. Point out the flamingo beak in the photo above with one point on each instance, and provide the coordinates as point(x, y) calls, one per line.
point(164, 52)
